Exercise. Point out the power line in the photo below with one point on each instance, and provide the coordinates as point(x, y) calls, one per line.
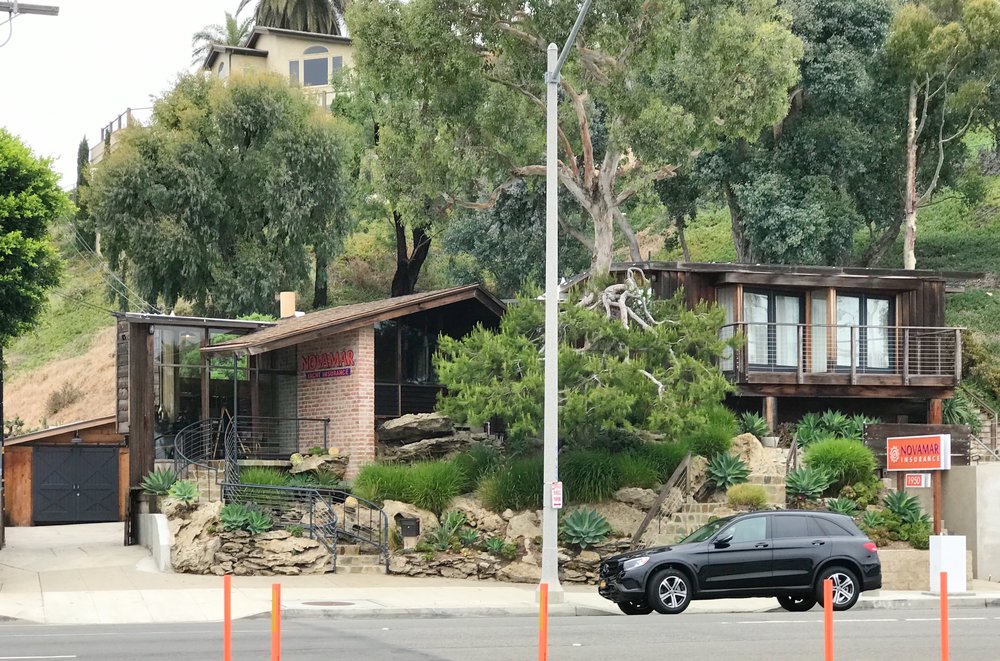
point(81, 302)
point(107, 270)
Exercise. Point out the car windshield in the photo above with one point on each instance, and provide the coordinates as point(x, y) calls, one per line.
point(706, 531)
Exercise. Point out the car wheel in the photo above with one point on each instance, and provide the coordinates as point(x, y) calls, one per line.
point(846, 588)
point(797, 603)
point(635, 607)
point(669, 592)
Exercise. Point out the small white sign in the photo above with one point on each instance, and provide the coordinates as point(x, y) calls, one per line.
point(557, 495)
point(918, 480)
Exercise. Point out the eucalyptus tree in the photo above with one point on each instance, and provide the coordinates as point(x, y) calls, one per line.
point(220, 199)
point(665, 78)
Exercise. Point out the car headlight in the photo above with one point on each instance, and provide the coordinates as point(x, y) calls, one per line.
point(635, 563)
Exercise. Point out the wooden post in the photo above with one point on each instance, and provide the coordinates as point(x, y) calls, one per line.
point(771, 413)
point(935, 416)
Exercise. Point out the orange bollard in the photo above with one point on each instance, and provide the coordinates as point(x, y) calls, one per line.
point(227, 618)
point(276, 622)
point(828, 617)
point(944, 616)
point(543, 622)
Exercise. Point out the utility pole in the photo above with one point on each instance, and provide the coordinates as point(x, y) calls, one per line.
point(15, 9)
point(550, 430)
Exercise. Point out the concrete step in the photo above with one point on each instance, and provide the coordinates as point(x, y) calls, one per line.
point(360, 569)
point(358, 560)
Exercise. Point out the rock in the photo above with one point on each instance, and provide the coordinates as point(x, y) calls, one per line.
point(275, 534)
point(697, 473)
point(749, 449)
point(507, 515)
point(415, 427)
point(479, 517)
point(624, 520)
point(392, 508)
point(589, 557)
point(519, 572)
point(336, 464)
point(672, 503)
point(524, 525)
point(195, 542)
point(431, 448)
point(639, 498)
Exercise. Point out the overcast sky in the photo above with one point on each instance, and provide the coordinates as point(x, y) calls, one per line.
point(67, 76)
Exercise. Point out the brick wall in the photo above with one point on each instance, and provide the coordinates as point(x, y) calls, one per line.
point(348, 401)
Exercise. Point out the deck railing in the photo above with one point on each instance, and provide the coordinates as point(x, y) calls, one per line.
point(802, 352)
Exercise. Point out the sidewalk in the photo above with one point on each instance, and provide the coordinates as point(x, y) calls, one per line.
point(82, 575)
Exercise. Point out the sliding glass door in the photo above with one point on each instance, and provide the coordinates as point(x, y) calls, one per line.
point(772, 330)
point(874, 317)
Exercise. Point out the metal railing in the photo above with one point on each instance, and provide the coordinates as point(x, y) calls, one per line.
point(985, 407)
point(277, 438)
point(680, 473)
point(196, 451)
point(806, 350)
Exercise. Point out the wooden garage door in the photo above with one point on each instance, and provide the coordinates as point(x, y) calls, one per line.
point(75, 484)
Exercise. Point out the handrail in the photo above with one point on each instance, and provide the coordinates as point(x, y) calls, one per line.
point(984, 405)
point(996, 457)
point(682, 470)
point(792, 461)
point(191, 448)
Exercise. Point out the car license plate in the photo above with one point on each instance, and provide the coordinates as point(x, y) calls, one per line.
point(603, 584)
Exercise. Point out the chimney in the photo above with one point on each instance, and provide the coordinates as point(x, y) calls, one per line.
point(287, 299)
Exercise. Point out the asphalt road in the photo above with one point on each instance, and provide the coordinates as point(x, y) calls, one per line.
point(860, 635)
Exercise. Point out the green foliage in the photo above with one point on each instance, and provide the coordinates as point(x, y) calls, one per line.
point(207, 203)
point(469, 537)
point(664, 456)
point(158, 482)
point(296, 531)
point(499, 547)
point(960, 410)
point(381, 482)
point(863, 493)
point(584, 527)
point(258, 522)
point(234, 516)
point(432, 485)
point(476, 463)
point(846, 461)
point(902, 504)
point(871, 520)
point(516, 486)
point(590, 476)
point(31, 201)
point(264, 475)
point(184, 491)
point(635, 470)
point(319, 16)
point(813, 427)
point(807, 483)
point(446, 536)
point(842, 506)
point(753, 423)
point(856, 428)
point(498, 374)
point(616, 440)
point(747, 496)
point(836, 424)
point(316, 451)
point(715, 435)
point(917, 534)
point(726, 470)
point(810, 430)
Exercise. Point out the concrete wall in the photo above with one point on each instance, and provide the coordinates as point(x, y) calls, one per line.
point(348, 401)
point(971, 494)
point(909, 569)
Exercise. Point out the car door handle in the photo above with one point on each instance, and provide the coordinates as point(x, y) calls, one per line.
point(761, 545)
point(818, 542)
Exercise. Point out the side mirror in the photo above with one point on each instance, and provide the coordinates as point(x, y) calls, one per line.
point(724, 540)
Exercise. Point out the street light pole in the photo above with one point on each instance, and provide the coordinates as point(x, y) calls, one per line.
point(550, 429)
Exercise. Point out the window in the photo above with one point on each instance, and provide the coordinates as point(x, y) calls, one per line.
point(222, 71)
point(749, 530)
point(826, 528)
point(386, 351)
point(772, 330)
point(338, 63)
point(293, 71)
point(316, 70)
point(873, 315)
point(783, 527)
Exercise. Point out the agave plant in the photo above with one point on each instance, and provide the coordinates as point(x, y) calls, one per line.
point(807, 483)
point(258, 522)
point(753, 423)
point(857, 426)
point(468, 536)
point(809, 430)
point(902, 504)
point(915, 517)
point(158, 482)
point(584, 527)
point(725, 470)
point(495, 545)
point(185, 491)
point(842, 506)
point(234, 516)
point(835, 423)
point(872, 520)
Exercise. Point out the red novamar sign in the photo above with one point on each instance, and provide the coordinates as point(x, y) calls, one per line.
point(931, 452)
point(327, 360)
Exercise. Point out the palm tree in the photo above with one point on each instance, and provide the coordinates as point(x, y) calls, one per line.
point(234, 33)
point(322, 16)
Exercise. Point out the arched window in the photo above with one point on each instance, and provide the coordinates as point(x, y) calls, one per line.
point(316, 66)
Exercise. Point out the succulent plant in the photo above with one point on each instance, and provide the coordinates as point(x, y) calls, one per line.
point(159, 482)
point(185, 491)
point(726, 470)
point(296, 459)
point(234, 516)
point(584, 527)
point(468, 536)
point(807, 483)
point(872, 520)
point(842, 506)
point(902, 505)
point(753, 423)
point(258, 522)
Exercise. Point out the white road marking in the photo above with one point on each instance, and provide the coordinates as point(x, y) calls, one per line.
point(11, 658)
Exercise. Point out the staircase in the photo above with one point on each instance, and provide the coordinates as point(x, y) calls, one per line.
point(986, 445)
point(352, 559)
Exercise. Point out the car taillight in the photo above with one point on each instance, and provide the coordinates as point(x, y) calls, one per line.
point(871, 547)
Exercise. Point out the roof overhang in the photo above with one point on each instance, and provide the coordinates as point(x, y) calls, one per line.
point(204, 322)
point(218, 49)
point(61, 429)
point(296, 34)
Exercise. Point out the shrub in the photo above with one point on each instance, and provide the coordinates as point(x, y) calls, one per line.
point(381, 482)
point(865, 493)
point(856, 426)
point(499, 547)
point(842, 506)
point(317, 451)
point(637, 471)
point(665, 457)
point(714, 436)
point(807, 483)
point(158, 482)
point(468, 536)
point(68, 393)
point(590, 476)
point(184, 491)
point(846, 461)
point(584, 527)
point(809, 430)
point(961, 411)
point(753, 423)
point(616, 440)
point(871, 520)
point(836, 424)
point(726, 470)
point(747, 496)
point(917, 534)
point(516, 486)
point(902, 504)
point(476, 463)
point(265, 475)
point(296, 531)
point(446, 536)
point(433, 485)
point(324, 479)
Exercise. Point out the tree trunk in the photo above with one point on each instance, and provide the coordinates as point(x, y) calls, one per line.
point(404, 280)
point(679, 222)
point(633, 242)
point(910, 199)
point(321, 289)
point(736, 216)
point(877, 250)
point(604, 242)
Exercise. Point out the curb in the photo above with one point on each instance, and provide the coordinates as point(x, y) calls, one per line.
point(556, 610)
point(918, 604)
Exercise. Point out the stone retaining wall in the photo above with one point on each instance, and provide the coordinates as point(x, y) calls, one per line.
point(910, 569)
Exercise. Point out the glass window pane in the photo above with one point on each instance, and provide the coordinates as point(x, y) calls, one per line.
point(338, 63)
point(789, 526)
point(755, 314)
point(293, 71)
point(726, 301)
point(818, 337)
point(877, 333)
point(316, 71)
point(417, 346)
point(386, 352)
point(749, 530)
point(848, 314)
point(312, 50)
point(787, 316)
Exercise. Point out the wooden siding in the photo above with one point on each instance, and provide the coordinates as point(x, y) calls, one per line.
point(17, 485)
point(140, 438)
point(122, 376)
point(875, 436)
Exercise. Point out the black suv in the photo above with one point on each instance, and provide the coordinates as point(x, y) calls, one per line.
point(785, 554)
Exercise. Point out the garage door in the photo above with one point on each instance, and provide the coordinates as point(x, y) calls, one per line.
point(75, 484)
